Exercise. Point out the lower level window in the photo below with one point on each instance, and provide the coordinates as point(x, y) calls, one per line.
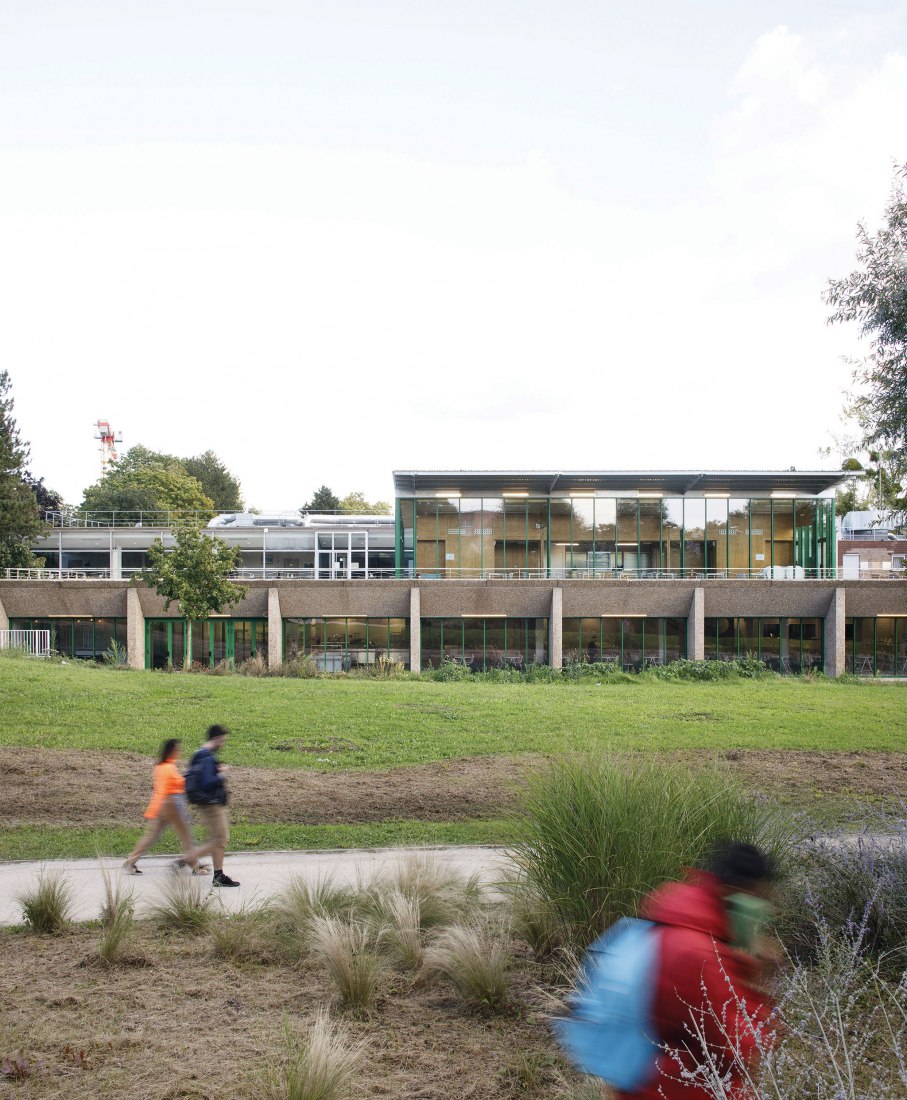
point(83, 639)
point(876, 646)
point(213, 641)
point(633, 642)
point(482, 643)
point(784, 644)
point(337, 645)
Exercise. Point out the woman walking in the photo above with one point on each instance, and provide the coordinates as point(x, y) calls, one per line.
point(167, 807)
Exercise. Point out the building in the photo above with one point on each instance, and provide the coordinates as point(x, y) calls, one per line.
point(499, 568)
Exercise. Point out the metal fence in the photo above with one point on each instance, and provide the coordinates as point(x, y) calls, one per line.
point(36, 643)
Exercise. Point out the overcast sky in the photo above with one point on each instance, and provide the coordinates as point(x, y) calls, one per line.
point(329, 239)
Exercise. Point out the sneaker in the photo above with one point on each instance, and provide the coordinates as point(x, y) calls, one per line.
point(220, 879)
point(131, 868)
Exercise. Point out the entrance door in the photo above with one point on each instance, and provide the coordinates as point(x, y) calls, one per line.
point(334, 565)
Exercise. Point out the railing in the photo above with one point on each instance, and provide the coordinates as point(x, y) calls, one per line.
point(36, 643)
point(310, 573)
point(174, 517)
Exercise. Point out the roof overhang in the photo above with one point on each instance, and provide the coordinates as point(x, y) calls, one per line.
point(736, 483)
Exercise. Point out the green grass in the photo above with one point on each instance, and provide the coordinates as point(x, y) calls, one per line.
point(391, 723)
point(52, 842)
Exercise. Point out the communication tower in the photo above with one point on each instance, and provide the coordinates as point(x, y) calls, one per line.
point(109, 439)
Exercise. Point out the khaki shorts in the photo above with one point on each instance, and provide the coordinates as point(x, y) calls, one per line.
point(214, 818)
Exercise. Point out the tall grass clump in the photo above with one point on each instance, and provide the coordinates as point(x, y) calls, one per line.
point(117, 919)
point(442, 895)
point(533, 919)
point(244, 936)
point(397, 921)
point(47, 906)
point(322, 1066)
point(183, 905)
point(475, 959)
point(349, 952)
point(597, 833)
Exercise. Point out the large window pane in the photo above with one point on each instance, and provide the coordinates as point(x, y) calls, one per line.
point(650, 534)
point(770, 643)
point(749, 637)
point(605, 534)
point(537, 543)
point(472, 539)
point(671, 527)
point(716, 535)
point(738, 536)
point(654, 642)
point(432, 651)
point(583, 549)
point(694, 534)
point(806, 536)
point(497, 643)
point(429, 543)
point(885, 646)
point(562, 546)
point(510, 552)
point(726, 639)
point(610, 641)
point(357, 635)
point(761, 533)
point(474, 643)
point(675, 639)
point(570, 641)
point(397, 640)
point(628, 534)
point(811, 644)
point(783, 531)
point(864, 646)
point(633, 638)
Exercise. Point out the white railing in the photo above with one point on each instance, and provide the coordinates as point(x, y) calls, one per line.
point(36, 643)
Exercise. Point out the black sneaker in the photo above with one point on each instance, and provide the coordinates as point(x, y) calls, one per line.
point(131, 868)
point(220, 879)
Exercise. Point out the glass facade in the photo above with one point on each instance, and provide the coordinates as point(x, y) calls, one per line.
point(337, 645)
point(83, 639)
point(632, 642)
point(592, 536)
point(213, 641)
point(786, 645)
point(482, 643)
point(876, 647)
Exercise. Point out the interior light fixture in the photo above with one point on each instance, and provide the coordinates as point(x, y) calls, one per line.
point(482, 615)
point(515, 493)
point(644, 494)
point(572, 544)
point(717, 496)
point(783, 494)
point(448, 493)
point(622, 615)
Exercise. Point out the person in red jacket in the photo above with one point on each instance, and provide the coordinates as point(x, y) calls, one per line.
point(707, 1006)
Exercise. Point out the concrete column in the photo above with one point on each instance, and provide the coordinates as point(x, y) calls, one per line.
point(696, 626)
point(275, 628)
point(135, 629)
point(4, 618)
point(415, 630)
point(556, 629)
point(116, 564)
point(835, 646)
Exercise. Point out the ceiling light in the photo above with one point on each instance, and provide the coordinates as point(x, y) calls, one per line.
point(717, 496)
point(515, 493)
point(448, 493)
point(644, 494)
point(783, 494)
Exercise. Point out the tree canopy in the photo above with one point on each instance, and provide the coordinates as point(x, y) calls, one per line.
point(149, 480)
point(323, 500)
point(358, 505)
point(20, 520)
point(875, 296)
point(195, 574)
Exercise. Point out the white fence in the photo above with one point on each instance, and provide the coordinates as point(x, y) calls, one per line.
point(34, 642)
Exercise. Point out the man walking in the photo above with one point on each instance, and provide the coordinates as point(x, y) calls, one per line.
point(206, 789)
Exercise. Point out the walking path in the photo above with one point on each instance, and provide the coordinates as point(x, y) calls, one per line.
point(261, 874)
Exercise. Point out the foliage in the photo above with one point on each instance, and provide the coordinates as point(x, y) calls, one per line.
point(115, 655)
point(598, 833)
point(216, 481)
point(475, 959)
point(147, 489)
point(358, 505)
point(20, 520)
point(839, 1031)
point(244, 936)
point(746, 668)
point(350, 955)
point(47, 906)
point(117, 919)
point(853, 885)
point(875, 296)
point(322, 1067)
point(323, 500)
point(195, 573)
point(440, 894)
point(48, 500)
point(183, 905)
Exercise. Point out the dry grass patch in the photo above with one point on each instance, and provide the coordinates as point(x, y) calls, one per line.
point(475, 959)
point(183, 905)
point(350, 954)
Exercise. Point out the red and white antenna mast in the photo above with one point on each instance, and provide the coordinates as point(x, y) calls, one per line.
point(109, 439)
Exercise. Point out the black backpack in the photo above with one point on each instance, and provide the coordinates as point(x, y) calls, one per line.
point(194, 792)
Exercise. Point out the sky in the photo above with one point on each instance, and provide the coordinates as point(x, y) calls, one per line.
point(332, 239)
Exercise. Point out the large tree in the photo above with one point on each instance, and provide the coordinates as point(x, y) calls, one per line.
point(195, 574)
point(20, 521)
point(358, 505)
point(875, 296)
point(323, 500)
point(216, 481)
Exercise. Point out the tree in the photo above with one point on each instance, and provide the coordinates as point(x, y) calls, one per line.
point(357, 504)
point(20, 521)
point(131, 487)
point(323, 501)
point(48, 500)
point(875, 296)
point(216, 481)
point(196, 574)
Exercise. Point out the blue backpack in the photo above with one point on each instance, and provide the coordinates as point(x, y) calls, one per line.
point(610, 1032)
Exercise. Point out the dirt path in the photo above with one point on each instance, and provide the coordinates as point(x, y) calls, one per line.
point(72, 788)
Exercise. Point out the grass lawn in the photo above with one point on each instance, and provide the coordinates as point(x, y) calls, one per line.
point(380, 724)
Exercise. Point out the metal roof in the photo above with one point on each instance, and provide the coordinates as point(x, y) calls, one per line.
point(744, 483)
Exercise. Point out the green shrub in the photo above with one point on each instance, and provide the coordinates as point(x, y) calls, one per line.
point(745, 668)
point(597, 833)
point(244, 936)
point(350, 955)
point(184, 905)
point(47, 907)
point(448, 671)
point(115, 655)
